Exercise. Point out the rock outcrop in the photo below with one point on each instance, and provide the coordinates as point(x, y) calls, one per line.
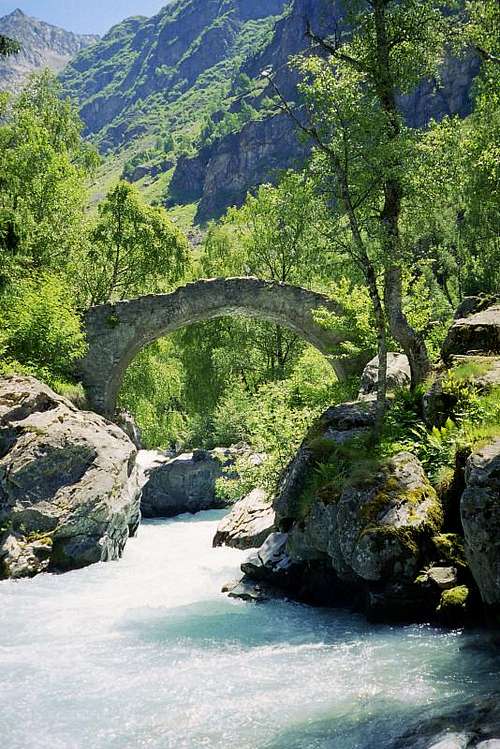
point(221, 174)
point(398, 375)
point(249, 523)
point(174, 484)
point(480, 512)
point(67, 489)
point(355, 527)
point(478, 333)
point(364, 538)
point(175, 53)
point(338, 425)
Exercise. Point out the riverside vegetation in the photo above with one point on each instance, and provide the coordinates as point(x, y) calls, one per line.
point(398, 224)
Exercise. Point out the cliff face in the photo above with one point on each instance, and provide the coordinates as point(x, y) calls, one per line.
point(125, 83)
point(42, 46)
point(221, 174)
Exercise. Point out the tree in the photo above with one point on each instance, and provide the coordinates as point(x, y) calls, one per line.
point(281, 230)
point(41, 329)
point(133, 247)
point(8, 46)
point(363, 148)
point(44, 165)
point(453, 187)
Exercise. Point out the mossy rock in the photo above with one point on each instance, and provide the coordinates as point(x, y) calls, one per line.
point(454, 598)
point(450, 548)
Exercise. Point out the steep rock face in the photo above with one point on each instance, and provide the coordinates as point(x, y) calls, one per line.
point(221, 175)
point(67, 489)
point(480, 512)
point(230, 167)
point(42, 46)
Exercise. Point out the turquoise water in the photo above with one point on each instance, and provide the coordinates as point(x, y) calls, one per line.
point(146, 652)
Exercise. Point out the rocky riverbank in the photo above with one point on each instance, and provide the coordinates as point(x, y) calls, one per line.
point(68, 490)
point(374, 533)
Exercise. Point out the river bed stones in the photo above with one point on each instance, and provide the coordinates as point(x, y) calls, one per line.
point(67, 491)
point(174, 484)
point(249, 523)
point(398, 375)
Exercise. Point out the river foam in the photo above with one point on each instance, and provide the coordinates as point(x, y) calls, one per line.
point(146, 652)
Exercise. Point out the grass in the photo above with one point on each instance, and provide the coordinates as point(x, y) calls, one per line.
point(183, 215)
point(470, 370)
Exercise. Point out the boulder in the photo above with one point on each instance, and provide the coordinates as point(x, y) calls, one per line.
point(443, 577)
point(140, 171)
point(471, 304)
point(250, 591)
point(471, 725)
point(271, 562)
point(477, 333)
point(249, 523)
point(398, 375)
point(452, 741)
point(380, 525)
point(185, 483)
point(480, 513)
point(174, 484)
point(67, 485)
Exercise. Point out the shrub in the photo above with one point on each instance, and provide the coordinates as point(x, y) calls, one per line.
point(41, 330)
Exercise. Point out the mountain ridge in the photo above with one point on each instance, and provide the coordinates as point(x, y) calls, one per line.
point(43, 45)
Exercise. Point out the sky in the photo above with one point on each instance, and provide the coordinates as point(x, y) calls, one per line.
point(83, 16)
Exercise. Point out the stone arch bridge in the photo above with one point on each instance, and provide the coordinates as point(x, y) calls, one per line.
point(116, 332)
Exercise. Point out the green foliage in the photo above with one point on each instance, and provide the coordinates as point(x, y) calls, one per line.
point(44, 164)
point(152, 390)
point(476, 420)
point(455, 598)
point(355, 323)
point(285, 411)
point(41, 330)
point(133, 246)
point(8, 46)
point(232, 415)
point(280, 230)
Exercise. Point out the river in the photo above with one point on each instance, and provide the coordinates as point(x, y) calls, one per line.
point(146, 652)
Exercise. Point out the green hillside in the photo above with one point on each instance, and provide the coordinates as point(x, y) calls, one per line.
point(147, 88)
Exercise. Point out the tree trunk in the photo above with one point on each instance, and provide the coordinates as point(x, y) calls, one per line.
point(380, 321)
point(411, 342)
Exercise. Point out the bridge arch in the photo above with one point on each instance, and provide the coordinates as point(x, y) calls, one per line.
point(116, 332)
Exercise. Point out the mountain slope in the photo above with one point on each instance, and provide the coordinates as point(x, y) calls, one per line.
point(42, 46)
point(141, 76)
point(221, 172)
